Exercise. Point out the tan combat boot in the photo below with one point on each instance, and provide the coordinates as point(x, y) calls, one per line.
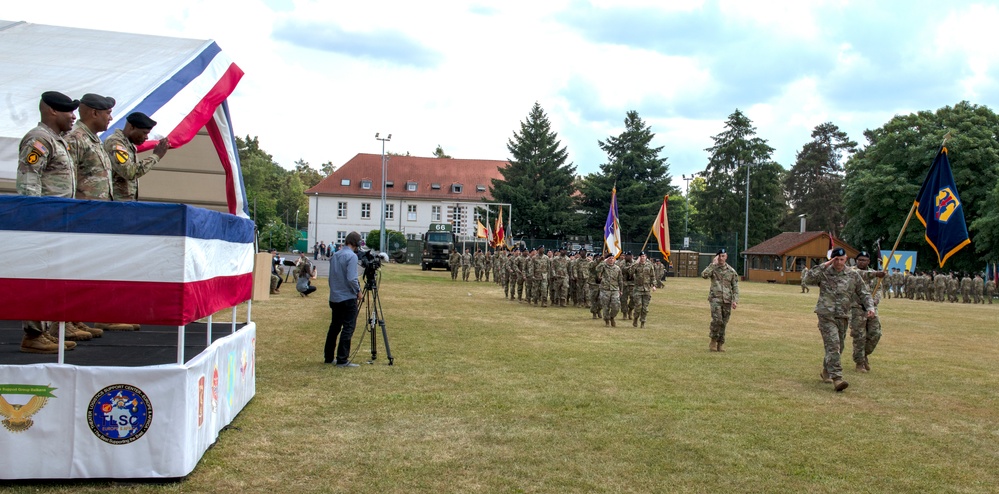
point(116, 326)
point(68, 345)
point(613, 323)
point(720, 346)
point(643, 324)
point(867, 364)
point(634, 323)
point(38, 344)
point(72, 333)
point(606, 322)
point(713, 347)
point(840, 384)
point(95, 332)
point(861, 368)
point(825, 377)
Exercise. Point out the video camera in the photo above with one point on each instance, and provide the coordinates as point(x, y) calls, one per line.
point(371, 262)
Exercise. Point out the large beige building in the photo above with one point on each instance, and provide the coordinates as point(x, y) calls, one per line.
point(418, 192)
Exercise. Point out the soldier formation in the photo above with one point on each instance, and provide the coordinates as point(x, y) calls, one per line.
point(60, 159)
point(937, 287)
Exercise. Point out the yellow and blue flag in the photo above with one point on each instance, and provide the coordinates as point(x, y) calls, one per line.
point(939, 208)
point(612, 228)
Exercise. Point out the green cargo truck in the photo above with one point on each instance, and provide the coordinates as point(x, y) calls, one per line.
point(438, 243)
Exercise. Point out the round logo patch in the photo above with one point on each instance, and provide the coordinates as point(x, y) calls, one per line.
point(120, 414)
point(32, 158)
point(121, 156)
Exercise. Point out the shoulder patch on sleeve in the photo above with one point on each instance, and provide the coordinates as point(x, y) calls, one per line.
point(40, 147)
point(121, 155)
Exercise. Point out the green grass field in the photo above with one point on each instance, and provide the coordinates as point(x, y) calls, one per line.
point(488, 395)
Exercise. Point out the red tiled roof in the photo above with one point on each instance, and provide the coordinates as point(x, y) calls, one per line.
point(402, 169)
point(783, 242)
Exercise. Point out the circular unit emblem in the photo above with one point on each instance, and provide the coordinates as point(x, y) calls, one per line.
point(120, 414)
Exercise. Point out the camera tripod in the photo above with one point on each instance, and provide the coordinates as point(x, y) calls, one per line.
point(374, 317)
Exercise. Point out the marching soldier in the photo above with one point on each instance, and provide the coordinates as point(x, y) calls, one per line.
point(593, 285)
point(864, 329)
point(976, 289)
point(966, 288)
point(644, 274)
point(453, 263)
point(723, 297)
point(838, 287)
point(629, 284)
point(466, 264)
point(611, 284)
point(477, 263)
point(990, 290)
point(560, 278)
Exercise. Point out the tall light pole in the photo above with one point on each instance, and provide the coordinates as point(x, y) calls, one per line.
point(296, 218)
point(745, 235)
point(686, 214)
point(381, 232)
point(317, 221)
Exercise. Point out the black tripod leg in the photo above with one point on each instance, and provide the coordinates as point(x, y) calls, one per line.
point(381, 322)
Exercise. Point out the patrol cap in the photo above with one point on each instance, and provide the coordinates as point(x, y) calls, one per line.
point(59, 102)
point(836, 252)
point(139, 120)
point(721, 251)
point(97, 101)
point(860, 254)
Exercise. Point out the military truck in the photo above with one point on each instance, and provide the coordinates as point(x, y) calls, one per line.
point(438, 243)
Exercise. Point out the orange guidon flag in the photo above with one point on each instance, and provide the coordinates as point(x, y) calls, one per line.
point(661, 229)
point(480, 231)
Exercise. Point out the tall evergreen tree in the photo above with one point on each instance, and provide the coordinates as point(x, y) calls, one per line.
point(814, 184)
point(882, 181)
point(538, 183)
point(642, 179)
point(721, 204)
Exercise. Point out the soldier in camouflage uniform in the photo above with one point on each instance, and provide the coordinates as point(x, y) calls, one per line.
point(593, 285)
point(560, 278)
point(611, 285)
point(910, 286)
point(940, 287)
point(487, 265)
point(953, 288)
point(542, 265)
point(125, 165)
point(865, 331)
point(838, 286)
point(521, 269)
point(990, 290)
point(570, 295)
point(93, 167)
point(644, 274)
point(477, 264)
point(966, 288)
point(976, 289)
point(45, 168)
point(660, 273)
point(629, 284)
point(466, 264)
point(453, 263)
point(529, 275)
point(723, 297)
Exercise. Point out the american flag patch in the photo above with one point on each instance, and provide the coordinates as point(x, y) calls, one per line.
point(40, 147)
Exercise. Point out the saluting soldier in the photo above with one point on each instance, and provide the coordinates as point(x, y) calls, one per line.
point(838, 287)
point(45, 168)
point(723, 297)
point(644, 274)
point(611, 284)
point(125, 164)
point(864, 329)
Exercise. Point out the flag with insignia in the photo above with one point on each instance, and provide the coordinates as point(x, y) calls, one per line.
point(480, 230)
point(498, 231)
point(939, 209)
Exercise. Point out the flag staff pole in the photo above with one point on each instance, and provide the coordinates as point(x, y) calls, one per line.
point(904, 226)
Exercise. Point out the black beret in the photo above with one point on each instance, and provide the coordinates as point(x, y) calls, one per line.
point(863, 253)
point(642, 253)
point(721, 251)
point(59, 102)
point(139, 120)
point(97, 101)
point(838, 251)
point(627, 253)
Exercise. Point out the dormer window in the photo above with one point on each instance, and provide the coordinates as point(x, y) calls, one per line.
point(366, 184)
point(345, 182)
point(389, 184)
point(410, 186)
point(435, 186)
point(456, 188)
point(480, 188)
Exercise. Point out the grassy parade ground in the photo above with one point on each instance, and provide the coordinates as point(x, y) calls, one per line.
point(489, 395)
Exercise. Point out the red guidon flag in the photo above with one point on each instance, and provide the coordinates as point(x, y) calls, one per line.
point(661, 229)
point(498, 231)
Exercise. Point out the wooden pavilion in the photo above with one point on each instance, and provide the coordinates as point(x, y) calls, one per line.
point(782, 259)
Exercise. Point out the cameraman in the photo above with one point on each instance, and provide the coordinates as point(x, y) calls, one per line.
point(345, 293)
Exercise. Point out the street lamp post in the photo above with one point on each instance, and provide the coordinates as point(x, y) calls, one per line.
point(317, 220)
point(381, 233)
point(745, 235)
point(686, 214)
point(296, 218)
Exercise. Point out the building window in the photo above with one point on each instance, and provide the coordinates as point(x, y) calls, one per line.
point(365, 210)
point(366, 184)
point(456, 188)
point(389, 184)
point(411, 212)
point(389, 211)
point(345, 181)
point(341, 210)
point(435, 213)
point(410, 186)
point(341, 236)
point(480, 188)
point(435, 186)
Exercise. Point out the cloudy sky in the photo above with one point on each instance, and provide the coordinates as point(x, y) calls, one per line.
point(322, 77)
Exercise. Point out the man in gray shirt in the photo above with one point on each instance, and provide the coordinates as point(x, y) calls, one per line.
point(345, 293)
